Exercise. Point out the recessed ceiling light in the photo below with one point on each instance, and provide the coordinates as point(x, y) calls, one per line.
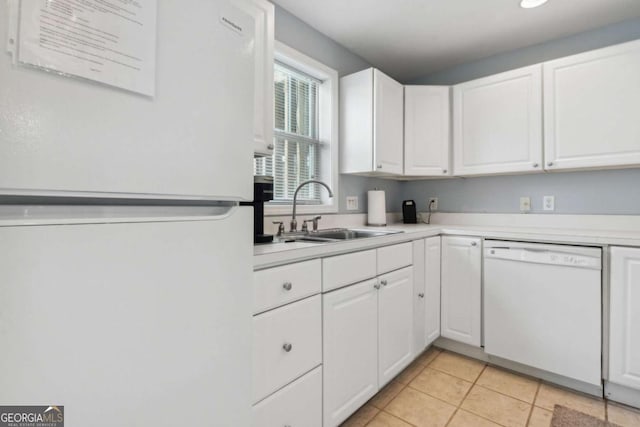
point(529, 4)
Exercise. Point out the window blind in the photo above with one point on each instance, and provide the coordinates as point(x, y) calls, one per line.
point(297, 153)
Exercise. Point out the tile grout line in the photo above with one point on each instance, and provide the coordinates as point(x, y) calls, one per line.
point(404, 386)
point(509, 396)
point(459, 407)
point(533, 404)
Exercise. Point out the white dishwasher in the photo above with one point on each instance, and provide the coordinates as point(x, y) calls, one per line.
point(542, 307)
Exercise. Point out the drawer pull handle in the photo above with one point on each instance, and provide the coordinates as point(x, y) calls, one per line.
point(287, 286)
point(287, 347)
point(474, 244)
point(376, 286)
point(383, 282)
point(421, 295)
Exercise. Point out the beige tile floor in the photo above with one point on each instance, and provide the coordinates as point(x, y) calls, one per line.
point(445, 389)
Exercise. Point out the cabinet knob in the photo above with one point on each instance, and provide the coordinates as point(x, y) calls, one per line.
point(421, 295)
point(377, 286)
point(287, 347)
point(379, 166)
point(549, 163)
point(535, 165)
point(474, 244)
point(287, 286)
point(383, 282)
point(444, 171)
point(270, 147)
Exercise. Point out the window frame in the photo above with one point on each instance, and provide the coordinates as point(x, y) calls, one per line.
point(327, 129)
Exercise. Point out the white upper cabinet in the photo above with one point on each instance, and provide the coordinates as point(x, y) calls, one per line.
point(371, 124)
point(427, 130)
point(497, 123)
point(591, 105)
point(263, 14)
point(461, 289)
point(624, 333)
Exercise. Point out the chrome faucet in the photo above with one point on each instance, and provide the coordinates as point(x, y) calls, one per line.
point(294, 223)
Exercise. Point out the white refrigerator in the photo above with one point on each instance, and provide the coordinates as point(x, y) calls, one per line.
point(125, 258)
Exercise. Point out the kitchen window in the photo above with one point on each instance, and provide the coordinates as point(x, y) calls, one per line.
point(305, 133)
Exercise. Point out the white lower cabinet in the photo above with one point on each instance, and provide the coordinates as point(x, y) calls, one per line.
point(624, 338)
point(395, 323)
point(419, 303)
point(426, 292)
point(299, 404)
point(461, 289)
point(432, 289)
point(368, 339)
point(350, 349)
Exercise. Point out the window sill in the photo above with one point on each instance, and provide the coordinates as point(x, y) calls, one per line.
point(300, 209)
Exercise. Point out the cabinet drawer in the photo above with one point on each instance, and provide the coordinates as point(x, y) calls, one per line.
point(394, 257)
point(346, 269)
point(298, 327)
point(298, 404)
point(278, 286)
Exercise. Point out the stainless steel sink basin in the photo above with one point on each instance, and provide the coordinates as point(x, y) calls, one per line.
point(340, 234)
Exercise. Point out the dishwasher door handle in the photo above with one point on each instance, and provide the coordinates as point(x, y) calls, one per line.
point(543, 256)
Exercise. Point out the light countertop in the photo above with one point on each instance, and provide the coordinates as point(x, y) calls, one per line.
point(273, 254)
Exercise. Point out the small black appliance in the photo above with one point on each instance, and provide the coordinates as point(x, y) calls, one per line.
point(262, 192)
point(409, 215)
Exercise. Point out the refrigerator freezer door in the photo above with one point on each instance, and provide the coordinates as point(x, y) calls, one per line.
point(193, 139)
point(129, 324)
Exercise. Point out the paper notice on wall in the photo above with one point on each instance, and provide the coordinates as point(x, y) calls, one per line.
point(109, 41)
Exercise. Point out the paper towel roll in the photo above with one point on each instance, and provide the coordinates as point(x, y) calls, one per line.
point(377, 208)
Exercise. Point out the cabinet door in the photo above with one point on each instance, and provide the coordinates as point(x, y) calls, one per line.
point(461, 289)
point(263, 14)
point(419, 302)
point(498, 123)
point(624, 341)
point(427, 143)
point(591, 104)
point(395, 323)
point(432, 289)
point(387, 124)
point(350, 349)
point(356, 122)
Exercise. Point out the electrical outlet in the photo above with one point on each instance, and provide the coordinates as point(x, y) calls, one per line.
point(525, 204)
point(352, 203)
point(549, 203)
point(433, 201)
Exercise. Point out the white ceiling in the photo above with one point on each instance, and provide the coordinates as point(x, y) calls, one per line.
point(412, 38)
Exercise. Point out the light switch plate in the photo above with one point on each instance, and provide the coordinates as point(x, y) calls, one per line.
point(352, 203)
point(549, 203)
point(525, 204)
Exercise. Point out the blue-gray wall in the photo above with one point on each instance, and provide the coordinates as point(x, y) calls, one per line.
point(295, 33)
point(597, 192)
point(582, 42)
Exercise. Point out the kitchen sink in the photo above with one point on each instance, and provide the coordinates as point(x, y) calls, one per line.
point(339, 234)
